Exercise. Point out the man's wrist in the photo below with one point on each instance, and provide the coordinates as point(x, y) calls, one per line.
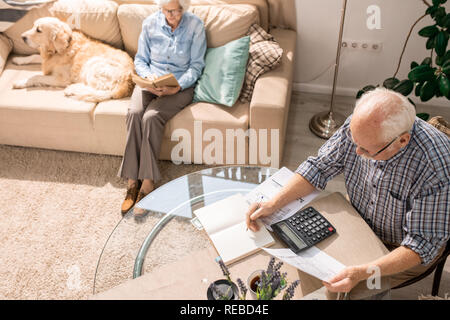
point(365, 271)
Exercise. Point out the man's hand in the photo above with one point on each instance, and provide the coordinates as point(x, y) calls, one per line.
point(164, 91)
point(346, 280)
point(257, 210)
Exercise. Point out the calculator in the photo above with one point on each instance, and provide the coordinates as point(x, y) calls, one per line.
point(303, 229)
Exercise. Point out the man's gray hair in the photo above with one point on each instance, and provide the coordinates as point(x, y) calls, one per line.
point(399, 114)
point(184, 4)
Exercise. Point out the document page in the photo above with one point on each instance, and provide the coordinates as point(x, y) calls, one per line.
point(312, 261)
point(269, 188)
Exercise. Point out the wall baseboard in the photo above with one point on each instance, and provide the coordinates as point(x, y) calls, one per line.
point(344, 91)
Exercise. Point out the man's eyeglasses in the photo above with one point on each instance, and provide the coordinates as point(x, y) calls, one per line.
point(174, 12)
point(349, 136)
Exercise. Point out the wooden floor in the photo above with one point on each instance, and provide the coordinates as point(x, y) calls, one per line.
point(301, 143)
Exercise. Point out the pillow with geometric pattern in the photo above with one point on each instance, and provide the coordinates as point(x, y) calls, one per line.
point(264, 55)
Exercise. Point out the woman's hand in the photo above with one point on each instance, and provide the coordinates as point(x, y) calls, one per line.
point(164, 91)
point(257, 210)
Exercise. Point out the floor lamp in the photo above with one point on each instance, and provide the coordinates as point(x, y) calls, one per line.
point(324, 124)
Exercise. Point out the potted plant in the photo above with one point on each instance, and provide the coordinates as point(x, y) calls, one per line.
point(430, 78)
point(265, 284)
point(223, 289)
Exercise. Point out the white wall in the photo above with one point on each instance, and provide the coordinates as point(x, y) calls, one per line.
point(318, 29)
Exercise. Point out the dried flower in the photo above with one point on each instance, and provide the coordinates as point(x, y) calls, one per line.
point(225, 270)
point(270, 266)
point(271, 282)
point(242, 288)
point(289, 293)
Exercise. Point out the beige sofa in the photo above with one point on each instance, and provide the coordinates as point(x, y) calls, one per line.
point(45, 118)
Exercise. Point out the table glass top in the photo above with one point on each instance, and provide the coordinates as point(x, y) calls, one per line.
point(165, 234)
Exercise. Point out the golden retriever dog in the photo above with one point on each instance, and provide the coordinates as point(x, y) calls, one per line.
point(88, 69)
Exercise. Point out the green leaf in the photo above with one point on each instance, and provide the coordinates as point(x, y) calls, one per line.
point(359, 94)
point(427, 61)
point(428, 90)
point(446, 68)
point(412, 102)
point(439, 60)
point(413, 65)
point(405, 87)
point(390, 83)
point(446, 21)
point(369, 88)
point(431, 10)
point(446, 63)
point(440, 13)
point(440, 43)
point(421, 73)
point(429, 31)
point(430, 43)
point(364, 90)
point(436, 2)
point(418, 87)
point(423, 116)
point(444, 85)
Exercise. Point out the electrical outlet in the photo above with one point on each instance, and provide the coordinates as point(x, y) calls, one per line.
point(362, 45)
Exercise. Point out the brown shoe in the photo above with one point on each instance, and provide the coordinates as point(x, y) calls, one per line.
point(139, 211)
point(131, 197)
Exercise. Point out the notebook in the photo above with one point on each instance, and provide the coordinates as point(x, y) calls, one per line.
point(224, 222)
point(167, 80)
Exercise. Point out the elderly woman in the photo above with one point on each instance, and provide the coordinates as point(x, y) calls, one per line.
point(171, 41)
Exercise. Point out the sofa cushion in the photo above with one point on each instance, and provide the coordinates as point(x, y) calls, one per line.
point(5, 49)
point(223, 76)
point(223, 23)
point(48, 118)
point(12, 11)
point(265, 54)
point(95, 18)
point(110, 127)
point(15, 31)
point(261, 5)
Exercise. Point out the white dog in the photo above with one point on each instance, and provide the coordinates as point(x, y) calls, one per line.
point(88, 69)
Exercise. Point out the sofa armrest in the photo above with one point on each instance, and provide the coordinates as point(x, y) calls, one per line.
point(269, 106)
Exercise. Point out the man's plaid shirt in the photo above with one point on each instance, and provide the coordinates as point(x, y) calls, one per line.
point(405, 199)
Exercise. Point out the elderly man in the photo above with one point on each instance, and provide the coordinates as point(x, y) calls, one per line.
point(396, 170)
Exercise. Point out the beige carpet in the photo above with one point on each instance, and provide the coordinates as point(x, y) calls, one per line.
point(57, 209)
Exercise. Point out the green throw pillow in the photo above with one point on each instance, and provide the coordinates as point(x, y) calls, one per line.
point(224, 73)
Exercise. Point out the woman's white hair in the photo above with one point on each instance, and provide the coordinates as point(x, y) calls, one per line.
point(398, 114)
point(184, 4)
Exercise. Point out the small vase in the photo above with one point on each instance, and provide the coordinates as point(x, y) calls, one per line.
point(224, 290)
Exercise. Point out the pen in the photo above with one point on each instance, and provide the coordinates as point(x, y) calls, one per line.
point(259, 205)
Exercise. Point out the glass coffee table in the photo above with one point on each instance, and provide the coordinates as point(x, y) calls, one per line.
point(165, 233)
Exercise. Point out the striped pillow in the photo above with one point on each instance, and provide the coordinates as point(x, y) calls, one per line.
point(13, 10)
point(264, 55)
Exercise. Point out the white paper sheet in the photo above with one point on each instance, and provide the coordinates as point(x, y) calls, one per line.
point(312, 261)
point(269, 188)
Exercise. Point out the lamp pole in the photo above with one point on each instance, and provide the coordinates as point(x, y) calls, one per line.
point(325, 123)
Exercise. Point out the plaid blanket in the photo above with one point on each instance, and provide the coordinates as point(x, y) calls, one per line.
point(13, 10)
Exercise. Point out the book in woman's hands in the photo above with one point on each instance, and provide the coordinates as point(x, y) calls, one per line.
point(224, 222)
point(167, 80)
